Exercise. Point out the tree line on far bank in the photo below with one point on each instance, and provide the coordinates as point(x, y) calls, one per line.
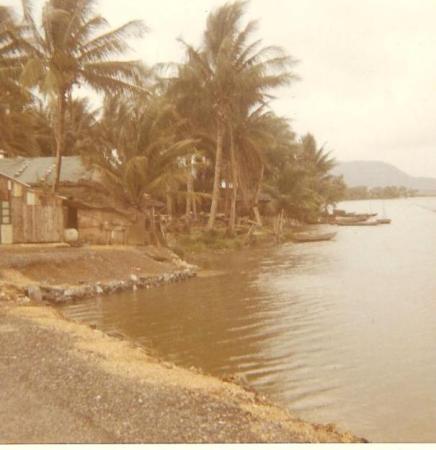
point(378, 192)
point(196, 139)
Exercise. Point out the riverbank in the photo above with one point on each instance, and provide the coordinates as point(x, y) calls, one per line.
point(59, 273)
point(77, 384)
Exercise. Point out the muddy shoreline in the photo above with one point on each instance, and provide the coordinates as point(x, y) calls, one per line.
point(78, 384)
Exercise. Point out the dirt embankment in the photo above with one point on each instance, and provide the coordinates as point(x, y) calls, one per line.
point(65, 382)
point(66, 265)
point(57, 272)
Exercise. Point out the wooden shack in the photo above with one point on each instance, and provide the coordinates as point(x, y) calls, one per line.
point(85, 204)
point(29, 215)
point(102, 222)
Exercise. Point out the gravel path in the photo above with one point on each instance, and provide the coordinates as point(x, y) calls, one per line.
point(62, 382)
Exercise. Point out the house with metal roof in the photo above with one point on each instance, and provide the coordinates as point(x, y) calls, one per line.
point(86, 205)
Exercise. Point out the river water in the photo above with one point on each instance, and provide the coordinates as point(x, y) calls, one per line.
point(341, 331)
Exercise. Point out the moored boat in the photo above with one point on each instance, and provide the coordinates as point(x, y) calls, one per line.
point(313, 237)
point(368, 223)
point(347, 220)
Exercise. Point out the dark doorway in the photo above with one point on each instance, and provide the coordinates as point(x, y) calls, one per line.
point(72, 221)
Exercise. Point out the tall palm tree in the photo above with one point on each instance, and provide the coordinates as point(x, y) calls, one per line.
point(232, 74)
point(73, 48)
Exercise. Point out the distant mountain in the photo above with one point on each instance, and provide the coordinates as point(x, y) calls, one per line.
point(380, 174)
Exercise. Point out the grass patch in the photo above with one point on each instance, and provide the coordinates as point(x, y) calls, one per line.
point(207, 240)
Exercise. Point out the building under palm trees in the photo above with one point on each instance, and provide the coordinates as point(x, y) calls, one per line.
point(30, 213)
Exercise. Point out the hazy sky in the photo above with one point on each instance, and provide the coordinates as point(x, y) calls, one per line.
point(368, 67)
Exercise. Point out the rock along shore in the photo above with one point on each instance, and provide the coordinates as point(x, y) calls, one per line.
point(62, 294)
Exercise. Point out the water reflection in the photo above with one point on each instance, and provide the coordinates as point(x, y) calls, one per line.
point(340, 331)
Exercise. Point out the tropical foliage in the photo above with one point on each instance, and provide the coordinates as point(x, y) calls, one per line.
point(73, 48)
point(198, 139)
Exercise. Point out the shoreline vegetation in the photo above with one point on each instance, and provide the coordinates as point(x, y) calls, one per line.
point(194, 143)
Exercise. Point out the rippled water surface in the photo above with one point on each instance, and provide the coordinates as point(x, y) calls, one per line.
point(341, 331)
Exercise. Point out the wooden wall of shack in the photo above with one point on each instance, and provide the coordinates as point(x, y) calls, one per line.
point(109, 227)
point(101, 219)
point(35, 216)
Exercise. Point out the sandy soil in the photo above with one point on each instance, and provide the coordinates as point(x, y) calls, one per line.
point(65, 382)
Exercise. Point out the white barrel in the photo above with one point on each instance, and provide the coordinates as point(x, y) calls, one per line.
point(71, 235)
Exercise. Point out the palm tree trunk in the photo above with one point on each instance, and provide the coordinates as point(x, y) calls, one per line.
point(189, 192)
point(217, 175)
point(232, 220)
point(60, 138)
point(256, 197)
point(188, 199)
point(227, 200)
point(194, 207)
point(169, 203)
point(154, 238)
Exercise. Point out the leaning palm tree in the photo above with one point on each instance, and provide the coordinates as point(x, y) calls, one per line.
point(73, 48)
point(232, 74)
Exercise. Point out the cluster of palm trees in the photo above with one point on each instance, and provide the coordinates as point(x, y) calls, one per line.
point(199, 136)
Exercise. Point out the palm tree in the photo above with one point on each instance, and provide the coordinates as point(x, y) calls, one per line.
point(68, 52)
point(10, 57)
point(260, 135)
point(232, 75)
point(17, 114)
point(140, 150)
point(300, 181)
point(317, 161)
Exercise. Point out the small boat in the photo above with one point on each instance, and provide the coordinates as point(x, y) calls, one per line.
point(313, 237)
point(347, 220)
point(368, 223)
point(361, 216)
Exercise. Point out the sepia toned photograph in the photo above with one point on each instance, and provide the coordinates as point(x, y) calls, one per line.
point(217, 221)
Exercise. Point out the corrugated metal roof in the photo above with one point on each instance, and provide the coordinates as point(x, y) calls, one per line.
point(41, 170)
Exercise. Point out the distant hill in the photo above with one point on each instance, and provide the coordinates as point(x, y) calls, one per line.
point(380, 174)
